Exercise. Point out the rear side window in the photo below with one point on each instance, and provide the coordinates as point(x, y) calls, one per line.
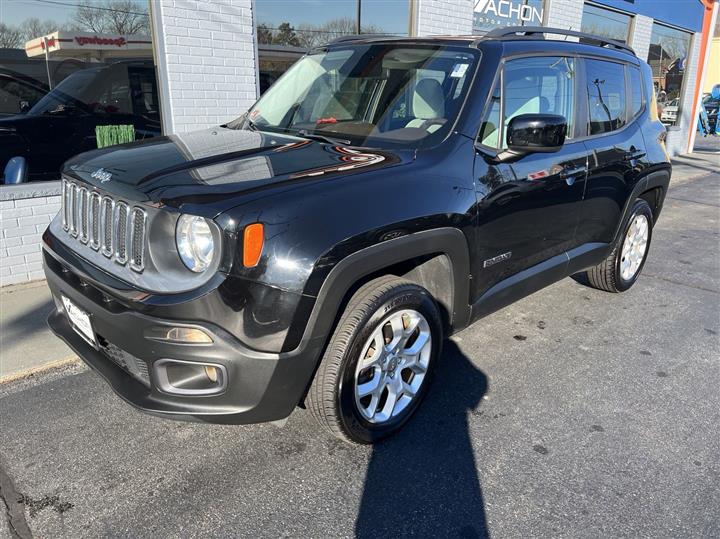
point(606, 96)
point(636, 92)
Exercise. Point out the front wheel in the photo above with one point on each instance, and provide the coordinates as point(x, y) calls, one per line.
point(619, 271)
point(379, 362)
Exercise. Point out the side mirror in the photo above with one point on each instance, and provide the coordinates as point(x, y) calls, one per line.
point(536, 133)
point(16, 171)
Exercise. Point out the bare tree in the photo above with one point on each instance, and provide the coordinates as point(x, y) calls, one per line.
point(127, 17)
point(310, 35)
point(264, 34)
point(89, 18)
point(10, 37)
point(113, 16)
point(34, 27)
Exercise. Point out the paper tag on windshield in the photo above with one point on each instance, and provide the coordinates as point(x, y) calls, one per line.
point(459, 70)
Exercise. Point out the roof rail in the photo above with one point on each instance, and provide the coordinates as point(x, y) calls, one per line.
point(520, 32)
point(357, 37)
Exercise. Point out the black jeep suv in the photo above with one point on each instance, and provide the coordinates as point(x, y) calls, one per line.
point(383, 194)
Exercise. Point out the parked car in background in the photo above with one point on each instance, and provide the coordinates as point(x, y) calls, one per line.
point(62, 123)
point(670, 112)
point(383, 194)
point(18, 92)
point(711, 104)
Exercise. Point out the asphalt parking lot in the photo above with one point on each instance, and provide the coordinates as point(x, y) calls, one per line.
point(573, 413)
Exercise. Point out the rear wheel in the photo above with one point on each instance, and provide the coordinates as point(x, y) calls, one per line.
point(619, 271)
point(379, 362)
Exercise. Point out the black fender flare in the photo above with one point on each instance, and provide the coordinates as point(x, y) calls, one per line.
point(653, 180)
point(354, 267)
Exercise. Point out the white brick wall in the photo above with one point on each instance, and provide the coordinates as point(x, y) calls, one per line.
point(206, 56)
point(444, 17)
point(22, 222)
point(677, 139)
point(565, 14)
point(641, 33)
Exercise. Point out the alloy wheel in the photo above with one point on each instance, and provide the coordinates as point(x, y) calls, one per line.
point(392, 366)
point(634, 247)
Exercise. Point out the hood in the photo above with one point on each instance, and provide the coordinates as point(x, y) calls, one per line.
point(216, 166)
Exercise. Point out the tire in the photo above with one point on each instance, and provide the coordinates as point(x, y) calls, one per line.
point(363, 330)
point(612, 274)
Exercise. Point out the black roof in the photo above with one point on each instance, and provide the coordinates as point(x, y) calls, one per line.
point(510, 33)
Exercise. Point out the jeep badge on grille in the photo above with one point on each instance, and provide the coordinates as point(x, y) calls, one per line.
point(101, 174)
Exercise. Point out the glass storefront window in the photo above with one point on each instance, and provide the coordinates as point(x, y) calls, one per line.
point(73, 82)
point(606, 23)
point(491, 14)
point(286, 29)
point(668, 56)
point(307, 23)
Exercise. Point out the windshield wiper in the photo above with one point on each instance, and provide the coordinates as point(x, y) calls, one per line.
point(322, 138)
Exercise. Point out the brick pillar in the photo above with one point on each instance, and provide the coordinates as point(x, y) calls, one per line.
point(677, 139)
point(206, 57)
point(444, 17)
point(565, 14)
point(640, 38)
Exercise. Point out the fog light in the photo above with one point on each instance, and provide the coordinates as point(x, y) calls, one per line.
point(212, 374)
point(189, 377)
point(179, 335)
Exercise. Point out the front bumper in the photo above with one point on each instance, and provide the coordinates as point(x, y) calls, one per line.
point(261, 386)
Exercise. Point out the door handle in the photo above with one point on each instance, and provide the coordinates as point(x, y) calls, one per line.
point(571, 174)
point(631, 156)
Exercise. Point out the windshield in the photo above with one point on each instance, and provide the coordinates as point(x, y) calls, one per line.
point(71, 94)
point(369, 95)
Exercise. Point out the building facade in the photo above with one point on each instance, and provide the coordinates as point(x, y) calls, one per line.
point(210, 54)
point(213, 58)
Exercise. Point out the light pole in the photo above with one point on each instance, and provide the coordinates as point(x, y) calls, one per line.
point(359, 14)
point(47, 61)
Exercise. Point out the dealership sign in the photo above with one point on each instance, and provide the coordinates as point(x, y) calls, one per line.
point(489, 14)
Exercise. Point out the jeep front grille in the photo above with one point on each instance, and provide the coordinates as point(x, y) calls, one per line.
point(102, 223)
point(121, 229)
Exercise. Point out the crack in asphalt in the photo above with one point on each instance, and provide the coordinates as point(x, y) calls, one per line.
point(671, 281)
point(14, 506)
point(693, 201)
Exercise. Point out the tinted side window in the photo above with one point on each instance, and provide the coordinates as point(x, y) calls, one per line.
point(144, 92)
point(113, 96)
point(530, 86)
point(636, 91)
point(606, 96)
point(539, 85)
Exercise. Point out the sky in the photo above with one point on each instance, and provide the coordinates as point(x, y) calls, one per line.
point(13, 12)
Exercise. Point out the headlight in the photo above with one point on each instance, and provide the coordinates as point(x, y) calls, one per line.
point(194, 242)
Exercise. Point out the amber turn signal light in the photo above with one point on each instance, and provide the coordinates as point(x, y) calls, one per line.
point(253, 239)
point(181, 335)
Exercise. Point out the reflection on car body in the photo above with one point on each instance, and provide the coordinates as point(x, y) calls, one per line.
point(62, 122)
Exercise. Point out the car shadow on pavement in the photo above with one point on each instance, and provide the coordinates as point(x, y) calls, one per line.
point(423, 481)
point(26, 323)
